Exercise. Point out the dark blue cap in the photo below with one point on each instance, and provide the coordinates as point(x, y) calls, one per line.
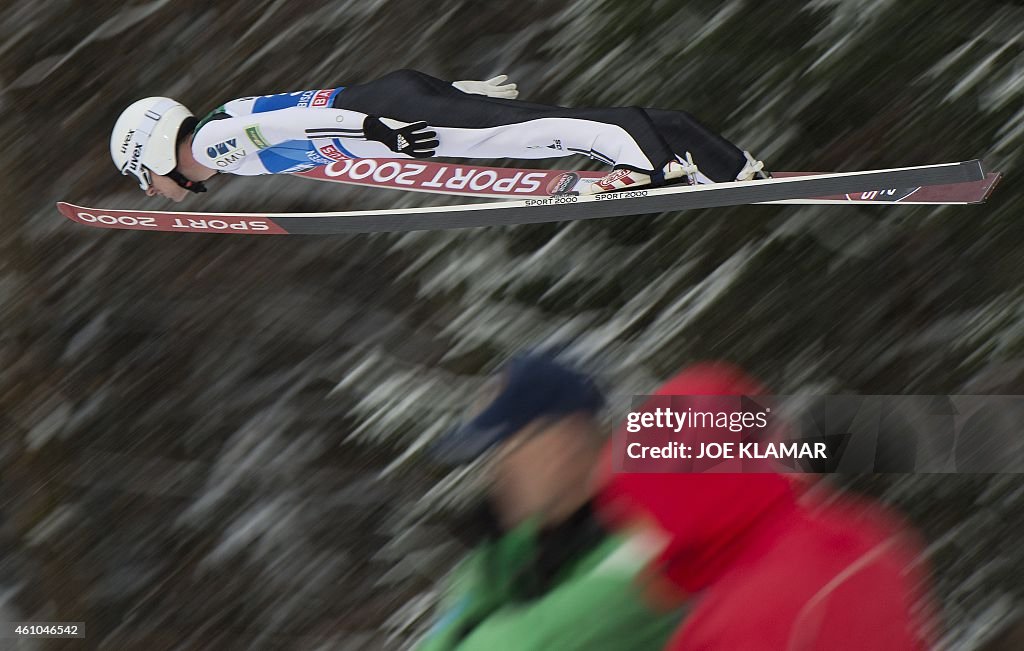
point(533, 386)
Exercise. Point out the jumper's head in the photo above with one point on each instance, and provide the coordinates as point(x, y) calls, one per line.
point(145, 141)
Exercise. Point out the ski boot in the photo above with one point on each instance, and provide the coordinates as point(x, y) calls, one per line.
point(753, 169)
point(627, 179)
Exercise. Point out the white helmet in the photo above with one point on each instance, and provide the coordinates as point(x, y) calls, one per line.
point(145, 138)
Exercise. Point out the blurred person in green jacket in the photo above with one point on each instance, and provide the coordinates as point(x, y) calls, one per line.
point(548, 576)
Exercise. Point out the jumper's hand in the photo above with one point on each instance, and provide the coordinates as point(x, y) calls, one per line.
point(412, 139)
point(493, 87)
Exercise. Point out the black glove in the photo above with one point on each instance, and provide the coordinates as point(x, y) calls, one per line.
point(411, 140)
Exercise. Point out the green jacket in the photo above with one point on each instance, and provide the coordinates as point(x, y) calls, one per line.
point(514, 594)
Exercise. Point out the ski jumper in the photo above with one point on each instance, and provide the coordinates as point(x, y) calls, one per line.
point(292, 132)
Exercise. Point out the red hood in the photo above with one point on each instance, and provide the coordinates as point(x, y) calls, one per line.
point(710, 517)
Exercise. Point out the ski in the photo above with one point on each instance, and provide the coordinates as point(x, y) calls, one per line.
point(512, 183)
point(530, 211)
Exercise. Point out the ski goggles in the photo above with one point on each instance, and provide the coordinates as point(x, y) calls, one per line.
point(145, 179)
point(143, 176)
point(134, 167)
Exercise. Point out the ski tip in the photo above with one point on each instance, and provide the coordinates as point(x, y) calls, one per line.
point(65, 208)
point(73, 212)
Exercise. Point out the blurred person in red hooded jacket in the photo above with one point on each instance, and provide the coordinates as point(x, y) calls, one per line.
point(767, 564)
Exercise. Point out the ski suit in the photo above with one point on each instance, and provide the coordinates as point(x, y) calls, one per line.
point(292, 132)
